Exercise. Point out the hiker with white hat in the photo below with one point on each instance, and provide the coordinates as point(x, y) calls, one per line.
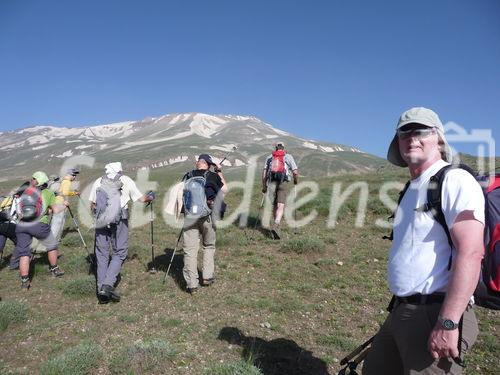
point(109, 197)
point(279, 169)
point(434, 263)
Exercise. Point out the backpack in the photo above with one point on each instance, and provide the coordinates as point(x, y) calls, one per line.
point(277, 170)
point(108, 208)
point(194, 197)
point(487, 293)
point(30, 204)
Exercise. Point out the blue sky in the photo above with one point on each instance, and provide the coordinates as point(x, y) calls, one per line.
point(338, 71)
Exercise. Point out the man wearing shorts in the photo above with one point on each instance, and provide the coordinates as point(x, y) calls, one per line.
point(276, 183)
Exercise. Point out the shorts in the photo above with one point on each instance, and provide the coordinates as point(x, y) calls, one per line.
point(278, 192)
point(25, 233)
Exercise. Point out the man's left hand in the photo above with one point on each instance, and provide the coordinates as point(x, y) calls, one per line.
point(443, 343)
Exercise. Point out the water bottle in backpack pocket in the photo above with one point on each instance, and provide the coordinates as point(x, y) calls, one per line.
point(108, 209)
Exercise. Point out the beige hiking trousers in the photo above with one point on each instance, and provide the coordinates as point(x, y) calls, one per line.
point(400, 346)
point(191, 240)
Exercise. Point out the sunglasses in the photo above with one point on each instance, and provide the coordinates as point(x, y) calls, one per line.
point(418, 133)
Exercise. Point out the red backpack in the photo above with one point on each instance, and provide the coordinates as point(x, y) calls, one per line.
point(277, 171)
point(30, 204)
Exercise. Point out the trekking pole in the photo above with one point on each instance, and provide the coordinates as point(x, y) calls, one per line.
point(152, 270)
point(295, 209)
point(260, 209)
point(356, 351)
point(225, 157)
point(79, 232)
point(173, 254)
point(352, 365)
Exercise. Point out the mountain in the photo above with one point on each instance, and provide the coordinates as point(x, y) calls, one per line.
point(173, 139)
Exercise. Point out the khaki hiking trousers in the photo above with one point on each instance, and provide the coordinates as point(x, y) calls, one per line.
point(191, 238)
point(400, 346)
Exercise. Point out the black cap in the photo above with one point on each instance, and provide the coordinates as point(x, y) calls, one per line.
point(207, 158)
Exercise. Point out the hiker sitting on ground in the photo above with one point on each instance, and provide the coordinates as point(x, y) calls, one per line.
point(279, 169)
point(36, 203)
point(431, 275)
point(109, 199)
point(64, 191)
point(199, 219)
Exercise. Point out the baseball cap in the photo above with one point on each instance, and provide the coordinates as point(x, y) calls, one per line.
point(40, 177)
point(421, 116)
point(207, 158)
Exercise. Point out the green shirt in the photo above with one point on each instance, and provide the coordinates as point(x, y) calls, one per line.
point(48, 199)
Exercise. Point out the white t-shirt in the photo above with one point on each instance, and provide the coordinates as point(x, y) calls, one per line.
point(420, 252)
point(129, 191)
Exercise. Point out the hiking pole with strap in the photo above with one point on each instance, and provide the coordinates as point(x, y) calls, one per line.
point(152, 270)
point(80, 233)
point(295, 209)
point(227, 155)
point(353, 359)
point(173, 254)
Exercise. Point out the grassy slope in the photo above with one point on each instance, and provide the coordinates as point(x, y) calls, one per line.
point(319, 300)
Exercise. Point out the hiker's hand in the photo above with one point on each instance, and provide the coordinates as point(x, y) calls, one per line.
point(218, 168)
point(443, 343)
point(264, 189)
point(77, 192)
point(151, 194)
point(66, 203)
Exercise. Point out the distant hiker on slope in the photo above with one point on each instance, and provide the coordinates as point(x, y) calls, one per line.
point(109, 197)
point(201, 198)
point(36, 203)
point(64, 191)
point(279, 169)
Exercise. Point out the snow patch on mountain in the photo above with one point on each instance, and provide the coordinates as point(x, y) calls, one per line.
point(206, 125)
point(81, 147)
point(326, 149)
point(238, 163)
point(39, 147)
point(310, 145)
point(257, 139)
point(271, 136)
point(65, 154)
point(12, 146)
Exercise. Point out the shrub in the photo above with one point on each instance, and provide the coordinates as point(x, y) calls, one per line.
point(12, 312)
point(143, 357)
point(240, 367)
point(78, 360)
point(80, 287)
point(303, 245)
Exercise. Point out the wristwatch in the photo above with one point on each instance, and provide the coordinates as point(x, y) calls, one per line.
point(448, 324)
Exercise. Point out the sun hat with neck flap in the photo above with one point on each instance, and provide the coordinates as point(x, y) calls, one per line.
point(421, 116)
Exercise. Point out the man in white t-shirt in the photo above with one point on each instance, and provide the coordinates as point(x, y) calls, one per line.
point(432, 323)
point(112, 232)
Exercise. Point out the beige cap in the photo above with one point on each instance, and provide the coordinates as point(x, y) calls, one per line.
point(422, 116)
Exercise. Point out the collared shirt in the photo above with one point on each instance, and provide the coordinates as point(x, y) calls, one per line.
point(419, 256)
point(129, 191)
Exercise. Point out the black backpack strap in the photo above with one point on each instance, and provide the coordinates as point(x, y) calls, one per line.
point(400, 198)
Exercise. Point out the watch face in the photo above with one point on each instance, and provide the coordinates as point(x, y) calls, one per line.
point(448, 324)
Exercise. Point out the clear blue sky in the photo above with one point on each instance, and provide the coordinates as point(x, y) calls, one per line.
point(339, 71)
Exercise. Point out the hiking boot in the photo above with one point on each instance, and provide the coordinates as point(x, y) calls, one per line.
point(275, 231)
point(25, 283)
point(207, 282)
point(192, 290)
point(56, 271)
point(108, 292)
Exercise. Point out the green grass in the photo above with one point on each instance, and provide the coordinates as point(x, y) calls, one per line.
point(79, 287)
point(240, 367)
point(303, 245)
point(140, 357)
point(79, 360)
point(12, 312)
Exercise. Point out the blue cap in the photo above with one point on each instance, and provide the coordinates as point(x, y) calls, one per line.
point(207, 158)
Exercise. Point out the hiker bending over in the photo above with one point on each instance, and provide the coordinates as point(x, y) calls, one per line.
point(36, 204)
point(202, 204)
point(8, 228)
point(279, 169)
point(109, 197)
point(432, 322)
point(64, 191)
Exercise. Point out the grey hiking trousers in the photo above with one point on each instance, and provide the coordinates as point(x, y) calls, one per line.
point(116, 237)
point(191, 241)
